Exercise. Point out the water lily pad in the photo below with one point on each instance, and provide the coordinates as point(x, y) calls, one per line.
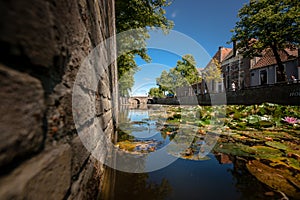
point(265, 123)
point(294, 163)
point(253, 119)
point(278, 179)
point(277, 145)
point(236, 149)
point(264, 152)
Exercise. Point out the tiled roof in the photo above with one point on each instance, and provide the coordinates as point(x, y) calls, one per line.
point(269, 59)
point(229, 55)
point(224, 53)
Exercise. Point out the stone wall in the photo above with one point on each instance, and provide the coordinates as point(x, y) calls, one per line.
point(42, 44)
point(284, 94)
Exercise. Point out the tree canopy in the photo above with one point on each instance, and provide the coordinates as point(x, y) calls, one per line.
point(213, 71)
point(156, 92)
point(138, 15)
point(268, 24)
point(126, 82)
point(184, 73)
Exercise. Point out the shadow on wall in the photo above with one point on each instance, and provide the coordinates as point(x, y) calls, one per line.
point(42, 46)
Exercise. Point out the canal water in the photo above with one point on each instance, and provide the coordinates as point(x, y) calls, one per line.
point(218, 176)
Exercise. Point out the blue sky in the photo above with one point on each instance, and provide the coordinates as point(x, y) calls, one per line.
point(207, 22)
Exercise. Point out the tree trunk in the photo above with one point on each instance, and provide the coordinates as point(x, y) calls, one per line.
point(282, 76)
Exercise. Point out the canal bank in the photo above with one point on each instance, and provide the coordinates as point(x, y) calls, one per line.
point(43, 45)
point(285, 94)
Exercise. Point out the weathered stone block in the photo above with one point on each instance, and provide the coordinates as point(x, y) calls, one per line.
point(102, 105)
point(86, 187)
point(47, 176)
point(28, 25)
point(109, 131)
point(79, 155)
point(105, 119)
point(21, 115)
point(104, 89)
point(83, 103)
point(90, 135)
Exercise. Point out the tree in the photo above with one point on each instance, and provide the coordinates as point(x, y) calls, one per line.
point(164, 81)
point(187, 69)
point(156, 92)
point(138, 15)
point(183, 74)
point(266, 24)
point(212, 74)
point(213, 71)
point(126, 82)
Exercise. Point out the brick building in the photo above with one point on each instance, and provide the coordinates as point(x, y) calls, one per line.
point(236, 68)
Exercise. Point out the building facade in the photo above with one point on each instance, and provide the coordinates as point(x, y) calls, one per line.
point(242, 72)
point(265, 71)
point(236, 70)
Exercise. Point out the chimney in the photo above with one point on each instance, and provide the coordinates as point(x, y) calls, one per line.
point(234, 48)
point(220, 53)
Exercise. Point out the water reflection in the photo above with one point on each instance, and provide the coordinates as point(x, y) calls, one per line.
point(186, 179)
point(218, 176)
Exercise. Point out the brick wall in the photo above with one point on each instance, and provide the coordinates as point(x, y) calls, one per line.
point(42, 44)
point(284, 94)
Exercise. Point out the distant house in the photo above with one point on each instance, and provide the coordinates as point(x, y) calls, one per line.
point(210, 86)
point(264, 70)
point(215, 86)
point(236, 68)
point(244, 72)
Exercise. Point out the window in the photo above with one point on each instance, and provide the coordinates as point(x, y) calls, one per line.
point(227, 82)
point(278, 73)
point(220, 88)
point(263, 77)
point(212, 84)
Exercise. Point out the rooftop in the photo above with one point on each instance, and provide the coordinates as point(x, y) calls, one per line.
point(220, 55)
point(268, 57)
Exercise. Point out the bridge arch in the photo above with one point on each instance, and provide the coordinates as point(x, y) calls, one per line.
point(136, 101)
point(140, 100)
point(150, 101)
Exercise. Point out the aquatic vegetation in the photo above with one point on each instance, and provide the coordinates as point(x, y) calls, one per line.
point(291, 120)
point(124, 136)
point(139, 146)
point(277, 145)
point(278, 179)
point(127, 145)
point(266, 136)
point(261, 116)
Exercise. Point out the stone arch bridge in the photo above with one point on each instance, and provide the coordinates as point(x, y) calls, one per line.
point(140, 100)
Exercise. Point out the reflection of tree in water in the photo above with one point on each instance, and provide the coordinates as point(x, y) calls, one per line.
point(123, 114)
point(125, 127)
point(134, 185)
point(248, 186)
point(137, 186)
